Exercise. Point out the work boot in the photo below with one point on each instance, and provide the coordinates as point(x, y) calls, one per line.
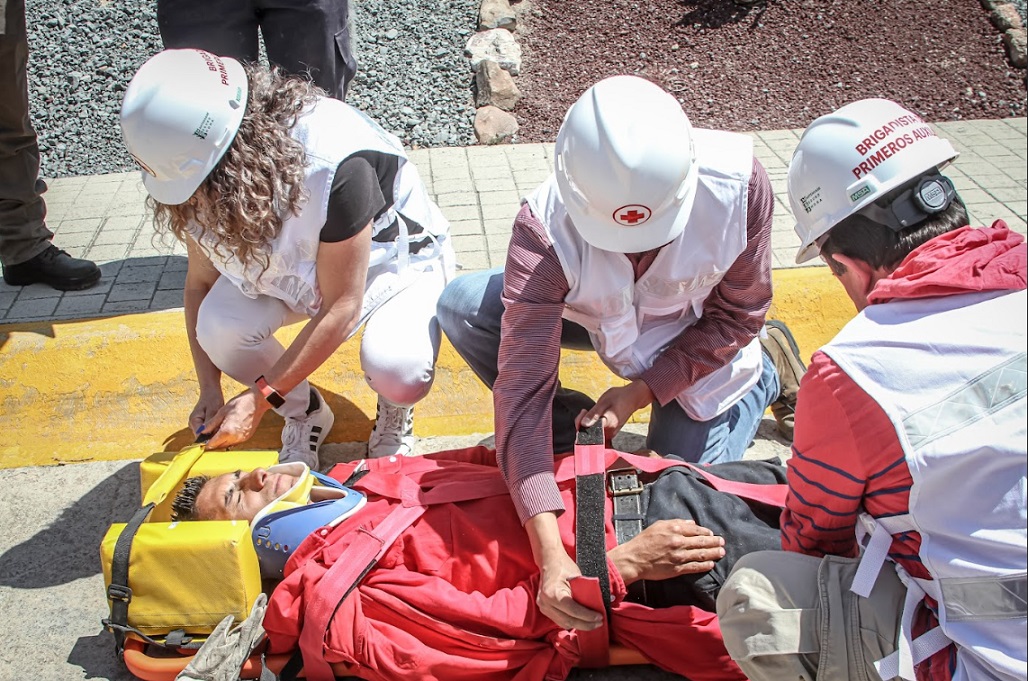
point(54, 268)
point(781, 347)
point(301, 437)
point(393, 434)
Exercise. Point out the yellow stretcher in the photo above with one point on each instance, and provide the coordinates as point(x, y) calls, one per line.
point(170, 592)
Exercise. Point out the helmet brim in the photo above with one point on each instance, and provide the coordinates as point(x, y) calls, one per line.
point(170, 192)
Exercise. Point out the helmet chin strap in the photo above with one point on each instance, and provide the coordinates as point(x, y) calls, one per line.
point(913, 202)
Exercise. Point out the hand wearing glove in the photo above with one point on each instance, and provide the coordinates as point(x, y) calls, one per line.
point(222, 656)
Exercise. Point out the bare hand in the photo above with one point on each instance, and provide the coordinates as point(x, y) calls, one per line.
point(615, 407)
point(237, 421)
point(666, 549)
point(554, 598)
point(206, 407)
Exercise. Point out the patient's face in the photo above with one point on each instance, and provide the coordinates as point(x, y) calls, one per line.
point(241, 495)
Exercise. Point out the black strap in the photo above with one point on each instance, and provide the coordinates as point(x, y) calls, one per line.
point(626, 491)
point(292, 668)
point(590, 545)
point(119, 592)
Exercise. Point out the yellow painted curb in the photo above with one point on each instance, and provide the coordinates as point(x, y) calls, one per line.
point(123, 387)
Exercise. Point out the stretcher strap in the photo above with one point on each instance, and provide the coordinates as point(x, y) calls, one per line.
point(590, 544)
point(339, 581)
point(771, 495)
point(119, 592)
point(401, 488)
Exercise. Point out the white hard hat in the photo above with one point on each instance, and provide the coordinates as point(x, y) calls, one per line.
point(180, 114)
point(625, 165)
point(852, 157)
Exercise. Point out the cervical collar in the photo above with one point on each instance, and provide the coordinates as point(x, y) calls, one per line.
point(297, 495)
point(312, 502)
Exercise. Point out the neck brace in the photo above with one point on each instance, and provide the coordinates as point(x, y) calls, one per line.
point(294, 497)
point(312, 502)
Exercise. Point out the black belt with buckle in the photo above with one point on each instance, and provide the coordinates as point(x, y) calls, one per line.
point(626, 493)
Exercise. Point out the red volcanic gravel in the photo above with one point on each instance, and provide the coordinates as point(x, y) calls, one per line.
point(777, 64)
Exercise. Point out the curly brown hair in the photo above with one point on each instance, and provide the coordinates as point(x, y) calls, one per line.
point(259, 180)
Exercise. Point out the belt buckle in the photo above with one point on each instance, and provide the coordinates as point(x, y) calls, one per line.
point(624, 481)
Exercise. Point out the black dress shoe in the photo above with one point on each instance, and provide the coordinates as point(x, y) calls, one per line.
point(55, 268)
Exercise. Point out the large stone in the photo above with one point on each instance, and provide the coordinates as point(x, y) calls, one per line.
point(497, 44)
point(1006, 17)
point(496, 87)
point(496, 14)
point(494, 125)
point(1014, 39)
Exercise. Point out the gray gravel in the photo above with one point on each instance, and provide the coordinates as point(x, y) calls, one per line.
point(413, 77)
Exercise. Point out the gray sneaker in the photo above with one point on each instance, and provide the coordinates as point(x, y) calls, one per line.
point(393, 434)
point(301, 437)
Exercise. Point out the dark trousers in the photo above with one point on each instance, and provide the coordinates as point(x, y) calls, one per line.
point(679, 493)
point(23, 232)
point(302, 37)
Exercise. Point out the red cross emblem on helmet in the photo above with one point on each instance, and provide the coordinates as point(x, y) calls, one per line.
point(632, 215)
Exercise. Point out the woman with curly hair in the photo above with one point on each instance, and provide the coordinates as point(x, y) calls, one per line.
point(293, 207)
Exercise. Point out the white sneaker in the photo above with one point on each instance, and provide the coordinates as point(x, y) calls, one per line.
point(393, 434)
point(301, 437)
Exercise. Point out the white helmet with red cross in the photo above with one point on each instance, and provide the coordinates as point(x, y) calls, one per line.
point(180, 114)
point(625, 165)
point(849, 160)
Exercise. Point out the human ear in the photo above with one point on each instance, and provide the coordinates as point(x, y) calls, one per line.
point(858, 278)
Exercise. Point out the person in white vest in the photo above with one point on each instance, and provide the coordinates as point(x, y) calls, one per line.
point(905, 526)
point(650, 244)
point(293, 207)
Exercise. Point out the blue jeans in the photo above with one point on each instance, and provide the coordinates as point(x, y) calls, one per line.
point(470, 310)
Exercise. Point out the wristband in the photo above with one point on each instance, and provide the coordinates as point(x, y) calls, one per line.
point(273, 397)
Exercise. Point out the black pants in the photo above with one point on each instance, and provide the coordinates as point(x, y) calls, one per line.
point(23, 233)
point(302, 37)
point(679, 493)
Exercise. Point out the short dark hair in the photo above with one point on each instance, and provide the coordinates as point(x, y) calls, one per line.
point(184, 505)
point(861, 238)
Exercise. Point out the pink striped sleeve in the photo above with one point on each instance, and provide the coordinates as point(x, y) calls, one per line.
point(733, 313)
point(534, 288)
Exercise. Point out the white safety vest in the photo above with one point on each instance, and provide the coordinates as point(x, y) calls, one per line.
point(950, 374)
point(631, 322)
point(330, 132)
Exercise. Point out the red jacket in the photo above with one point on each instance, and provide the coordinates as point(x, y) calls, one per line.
point(846, 455)
point(454, 597)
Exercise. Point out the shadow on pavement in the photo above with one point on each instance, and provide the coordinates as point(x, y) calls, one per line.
point(95, 656)
point(68, 549)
